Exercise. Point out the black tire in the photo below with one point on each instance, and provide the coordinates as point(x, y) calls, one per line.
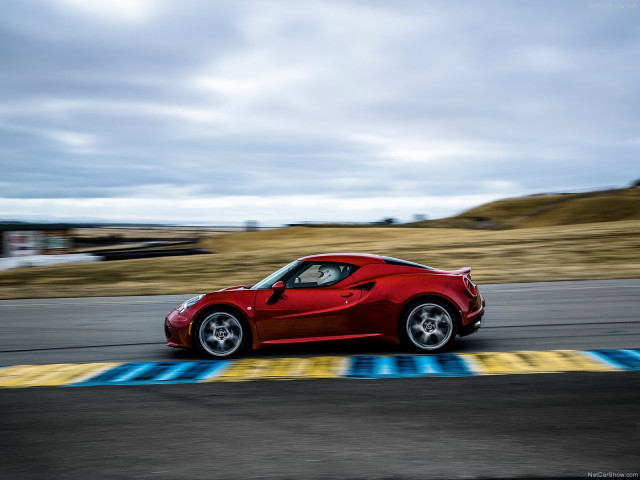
point(428, 325)
point(221, 333)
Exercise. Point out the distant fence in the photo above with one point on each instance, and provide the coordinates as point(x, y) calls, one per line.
point(45, 260)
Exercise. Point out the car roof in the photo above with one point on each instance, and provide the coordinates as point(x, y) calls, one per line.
point(358, 259)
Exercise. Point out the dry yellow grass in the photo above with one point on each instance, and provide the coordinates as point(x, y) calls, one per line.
point(585, 251)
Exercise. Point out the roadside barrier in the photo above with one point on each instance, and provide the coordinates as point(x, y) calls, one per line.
point(301, 368)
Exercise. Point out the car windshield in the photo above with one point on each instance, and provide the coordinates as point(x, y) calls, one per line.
point(275, 276)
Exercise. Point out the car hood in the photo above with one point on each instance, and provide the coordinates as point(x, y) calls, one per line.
point(236, 287)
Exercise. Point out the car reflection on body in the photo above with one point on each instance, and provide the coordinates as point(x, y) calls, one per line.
point(332, 297)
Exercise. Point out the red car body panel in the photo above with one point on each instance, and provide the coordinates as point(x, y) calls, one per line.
point(299, 313)
point(367, 303)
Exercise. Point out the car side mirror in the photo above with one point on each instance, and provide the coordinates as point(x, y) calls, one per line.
point(278, 287)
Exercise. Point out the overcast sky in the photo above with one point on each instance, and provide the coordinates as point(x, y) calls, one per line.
point(285, 111)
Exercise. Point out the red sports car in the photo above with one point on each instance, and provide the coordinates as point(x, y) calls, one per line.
point(332, 297)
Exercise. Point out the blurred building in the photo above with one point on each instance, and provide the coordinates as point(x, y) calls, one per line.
point(21, 239)
point(251, 226)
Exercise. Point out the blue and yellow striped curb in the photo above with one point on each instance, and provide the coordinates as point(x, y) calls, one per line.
point(362, 366)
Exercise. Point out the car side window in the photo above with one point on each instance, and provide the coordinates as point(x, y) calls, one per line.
point(319, 275)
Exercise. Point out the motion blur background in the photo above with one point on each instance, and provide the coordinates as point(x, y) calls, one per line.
point(140, 116)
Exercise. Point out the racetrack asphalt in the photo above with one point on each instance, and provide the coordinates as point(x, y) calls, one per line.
point(551, 425)
point(528, 316)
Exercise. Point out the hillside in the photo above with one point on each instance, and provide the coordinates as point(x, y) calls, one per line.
point(547, 211)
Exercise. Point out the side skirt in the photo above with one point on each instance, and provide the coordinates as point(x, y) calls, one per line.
point(319, 339)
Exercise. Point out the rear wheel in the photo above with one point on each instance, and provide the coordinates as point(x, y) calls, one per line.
point(221, 333)
point(428, 325)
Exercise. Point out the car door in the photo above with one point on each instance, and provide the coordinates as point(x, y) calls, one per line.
point(305, 309)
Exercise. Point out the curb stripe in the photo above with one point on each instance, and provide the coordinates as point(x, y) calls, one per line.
point(452, 365)
point(602, 360)
point(406, 366)
point(18, 376)
point(294, 368)
point(155, 373)
point(361, 366)
point(622, 358)
point(282, 369)
point(635, 353)
point(427, 366)
point(197, 371)
point(506, 363)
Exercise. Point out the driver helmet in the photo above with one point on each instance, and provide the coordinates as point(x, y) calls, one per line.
point(328, 274)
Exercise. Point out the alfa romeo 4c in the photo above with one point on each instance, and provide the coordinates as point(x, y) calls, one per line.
point(332, 297)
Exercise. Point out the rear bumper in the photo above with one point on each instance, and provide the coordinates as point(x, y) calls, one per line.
point(474, 320)
point(472, 327)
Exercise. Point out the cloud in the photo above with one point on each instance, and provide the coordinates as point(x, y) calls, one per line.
point(135, 11)
point(422, 151)
point(361, 109)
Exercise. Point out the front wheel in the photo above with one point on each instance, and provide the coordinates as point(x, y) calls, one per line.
point(221, 334)
point(428, 325)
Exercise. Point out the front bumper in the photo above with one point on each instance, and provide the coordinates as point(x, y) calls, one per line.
point(176, 332)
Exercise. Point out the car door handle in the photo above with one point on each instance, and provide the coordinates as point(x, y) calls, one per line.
point(347, 294)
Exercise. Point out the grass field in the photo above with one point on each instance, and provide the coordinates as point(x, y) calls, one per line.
point(568, 252)
point(548, 210)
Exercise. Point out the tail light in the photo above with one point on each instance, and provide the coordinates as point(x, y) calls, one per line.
point(472, 290)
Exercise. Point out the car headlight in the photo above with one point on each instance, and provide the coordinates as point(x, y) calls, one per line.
point(190, 303)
